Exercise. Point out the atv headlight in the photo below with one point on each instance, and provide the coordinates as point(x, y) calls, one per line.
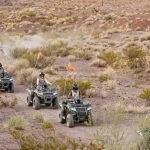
point(89, 108)
point(73, 109)
point(55, 93)
point(11, 80)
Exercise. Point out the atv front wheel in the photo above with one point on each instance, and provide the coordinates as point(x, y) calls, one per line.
point(70, 121)
point(55, 103)
point(29, 102)
point(90, 119)
point(36, 103)
point(61, 118)
point(12, 88)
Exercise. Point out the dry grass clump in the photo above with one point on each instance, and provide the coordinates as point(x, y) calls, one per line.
point(17, 122)
point(109, 57)
point(110, 84)
point(27, 76)
point(50, 140)
point(72, 58)
point(146, 96)
point(103, 93)
point(21, 64)
point(145, 37)
point(130, 108)
point(63, 52)
point(91, 93)
point(19, 52)
point(82, 54)
point(135, 56)
point(108, 74)
point(38, 117)
point(98, 63)
point(7, 101)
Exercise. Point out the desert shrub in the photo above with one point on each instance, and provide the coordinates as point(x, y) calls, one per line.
point(98, 63)
point(110, 84)
point(110, 57)
point(103, 77)
point(50, 140)
point(48, 22)
point(7, 101)
point(27, 76)
point(146, 95)
point(44, 28)
point(21, 63)
point(67, 84)
point(107, 74)
point(19, 52)
point(17, 122)
point(145, 37)
point(91, 93)
point(28, 13)
point(135, 56)
point(38, 117)
point(82, 54)
point(72, 58)
point(62, 52)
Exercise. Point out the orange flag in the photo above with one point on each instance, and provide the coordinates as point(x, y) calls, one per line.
point(39, 55)
point(70, 67)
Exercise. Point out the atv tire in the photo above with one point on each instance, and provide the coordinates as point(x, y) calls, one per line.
point(29, 101)
point(36, 103)
point(70, 121)
point(61, 119)
point(90, 119)
point(47, 104)
point(12, 88)
point(55, 103)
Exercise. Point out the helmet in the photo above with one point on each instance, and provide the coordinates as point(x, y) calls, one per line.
point(75, 87)
point(1, 65)
point(42, 74)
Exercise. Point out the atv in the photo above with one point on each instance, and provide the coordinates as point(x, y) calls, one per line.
point(75, 111)
point(44, 95)
point(6, 83)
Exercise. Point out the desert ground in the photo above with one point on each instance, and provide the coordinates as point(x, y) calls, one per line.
point(107, 43)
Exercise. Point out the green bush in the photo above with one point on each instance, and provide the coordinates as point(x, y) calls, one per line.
point(67, 84)
point(38, 117)
point(17, 122)
point(110, 57)
point(19, 52)
point(103, 77)
point(135, 56)
point(48, 140)
point(146, 95)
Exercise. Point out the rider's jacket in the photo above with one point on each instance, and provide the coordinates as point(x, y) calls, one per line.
point(1, 70)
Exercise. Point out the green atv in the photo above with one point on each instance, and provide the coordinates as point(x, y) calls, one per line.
point(7, 82)
point(47, 96)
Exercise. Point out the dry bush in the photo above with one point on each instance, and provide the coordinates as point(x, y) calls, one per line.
point(110, 57)
point(50, 140)
point(17, 122)
point(91, 93)
point(7, 101)
point(19, 52)
point(27, 76)
point(103, 93)
point(63, 52)
point(146, 96)
point(38, 117)
point(108, 74)
point(99, 63)
point(145, 37)
point(67, 84)
point(135, 56)
point(110, 84)
point(72, 58)
point(82, 54)
point(21, 64)
point(44, 28)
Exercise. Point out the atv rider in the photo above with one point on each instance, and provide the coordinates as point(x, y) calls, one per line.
point(1, 70)
point(41, 81)
point(75, 93)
